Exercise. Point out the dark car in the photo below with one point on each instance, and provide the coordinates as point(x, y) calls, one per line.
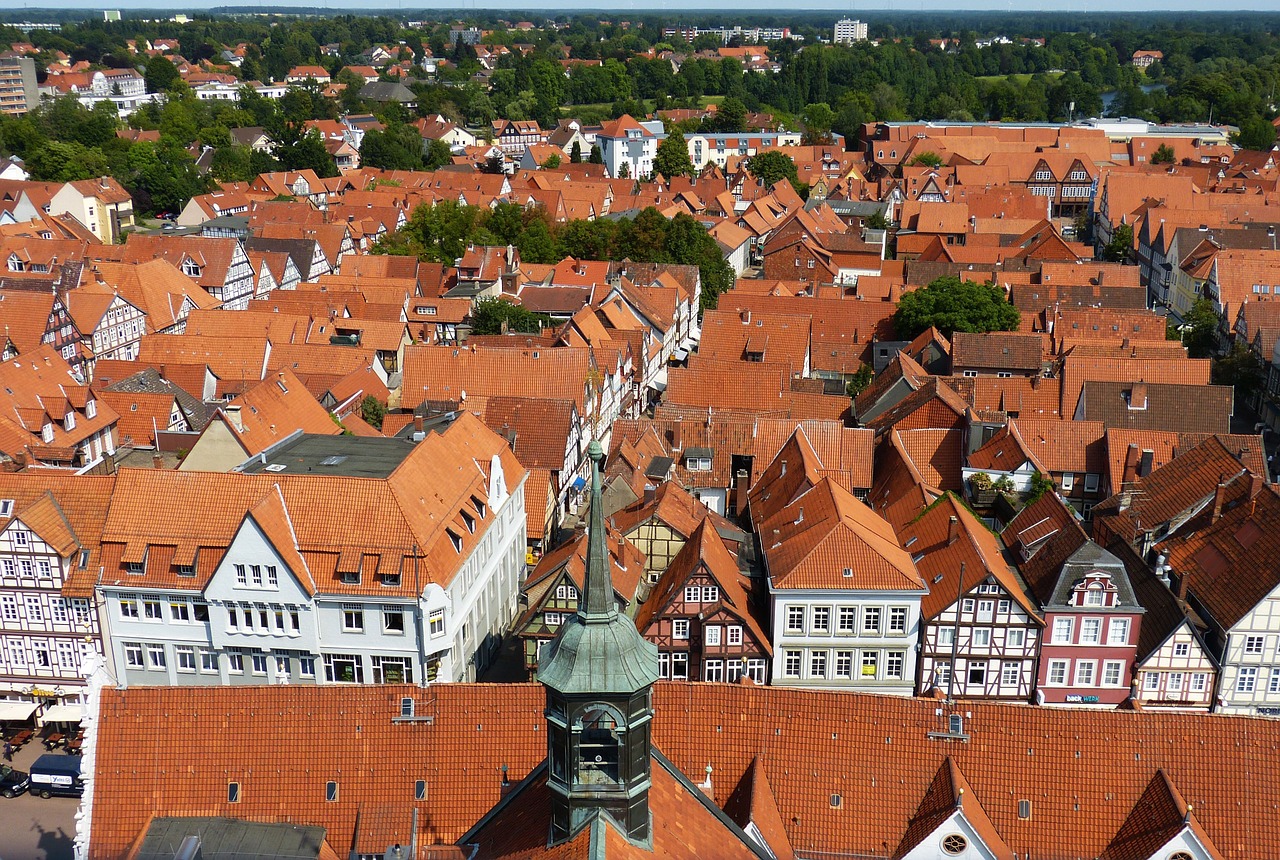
point(13, 782)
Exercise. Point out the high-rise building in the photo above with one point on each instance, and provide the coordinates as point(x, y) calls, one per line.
point(848, 31)
point(18, 91)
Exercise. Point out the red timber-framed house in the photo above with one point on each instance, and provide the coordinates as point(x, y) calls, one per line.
point(700, 619)
point(980, 633)
point(550, 594)
point(1092, 616)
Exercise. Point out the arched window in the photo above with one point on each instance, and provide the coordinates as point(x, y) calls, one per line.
point(599, 746)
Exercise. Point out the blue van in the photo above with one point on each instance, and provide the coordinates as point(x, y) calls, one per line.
point(56, 774)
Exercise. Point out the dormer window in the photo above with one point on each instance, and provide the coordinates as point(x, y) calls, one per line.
point(91, 409)
point(46, 433)
point(15, 263)
point(190, 268)
point(479, 506)
point(469, 521)
point(69, 422)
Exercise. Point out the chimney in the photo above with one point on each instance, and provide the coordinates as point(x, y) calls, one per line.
point(157, 462)
point(746, 316)
point(1184, 580)
point(953, 530)
point(232, 411)
point(1219, 495)
point(677, 443)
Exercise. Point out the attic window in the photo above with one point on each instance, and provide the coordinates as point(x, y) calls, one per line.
point(190, 268)
point(6, 507)
point(455, 539)
point(479, 506)
point(233, 792)
point(420, 789)
point(469, 521)
point(406, 707)
point(283, 387)
point(1024, 809)
point(954, 843)
point(331, 790)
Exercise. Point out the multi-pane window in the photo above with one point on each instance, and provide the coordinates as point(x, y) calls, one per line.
point(871, 619)
point(66, 654)
point(714, 671)
point(1182, 649)
point(133, 655)
point(1010, 674)
point(435, 623)
point(897, 619)
point(1199, 682)
point(1247, 680)
point(692, 594)
point(128, 607)
point(1118, 632)
point(151, 610)
point(982, 637)
point(795, 619)
point(680, 628)
point(35, 611)
point(235, 662)
point(846, 619)
point(1015, 637)
point(1057, 672)
point(1175, 682)
point(180, 610)
point(893, 663)
point(155, 657)
point(259, 664)
point(186, 655)
point(392, 620)
point(208, 661)
point(680, 665)
point(712, 635)
point(817, 664)
point(756, 669)
point(1273, 682)
point(710, 593)
point(1084, 673)
point(791, 663)
point(1113, 672)
point(352, 618)
point(1253, 644)
point(821, 619)
point(734, 635)
point(1091, 631)
point(566, 592)
point(307, 667)
point(844, 664)
point(1061, 630)
point(942, 673)
point(870, 663)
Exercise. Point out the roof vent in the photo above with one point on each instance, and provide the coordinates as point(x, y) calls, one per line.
point(276, 467)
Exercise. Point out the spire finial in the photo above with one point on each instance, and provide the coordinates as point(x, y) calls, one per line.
point(597, 603)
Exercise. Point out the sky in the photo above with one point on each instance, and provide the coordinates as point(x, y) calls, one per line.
point(729, 7)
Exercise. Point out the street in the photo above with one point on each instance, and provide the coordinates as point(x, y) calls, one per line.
point(34, 828)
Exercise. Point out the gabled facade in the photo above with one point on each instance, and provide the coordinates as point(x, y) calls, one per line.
point(1092, 622)
point(258, 585)
point(980, 634)
point(699, 616)
point(48, 623)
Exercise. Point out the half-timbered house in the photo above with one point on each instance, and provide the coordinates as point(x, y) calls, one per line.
point(700, 618)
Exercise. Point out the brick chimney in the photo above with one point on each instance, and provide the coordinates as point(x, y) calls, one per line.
point(677, 442)
point(953, 530)
point(1219, 495)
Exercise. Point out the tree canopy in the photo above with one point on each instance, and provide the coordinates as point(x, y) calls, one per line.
point(672, 157)
point(952, 305)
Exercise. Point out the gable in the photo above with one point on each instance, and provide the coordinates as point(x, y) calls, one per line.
point(251, 546)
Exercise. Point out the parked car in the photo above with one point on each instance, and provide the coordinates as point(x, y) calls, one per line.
point(13, 782)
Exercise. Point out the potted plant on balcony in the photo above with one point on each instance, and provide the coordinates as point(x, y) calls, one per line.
point(981, 489)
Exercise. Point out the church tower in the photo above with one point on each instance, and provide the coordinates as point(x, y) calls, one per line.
point(598, 674)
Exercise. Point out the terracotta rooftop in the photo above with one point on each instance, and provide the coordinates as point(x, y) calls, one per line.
point(281, 744)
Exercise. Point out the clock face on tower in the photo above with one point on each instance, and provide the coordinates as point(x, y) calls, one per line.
point(599, 746)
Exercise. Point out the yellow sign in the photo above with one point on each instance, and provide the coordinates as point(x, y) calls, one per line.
point(43, 694)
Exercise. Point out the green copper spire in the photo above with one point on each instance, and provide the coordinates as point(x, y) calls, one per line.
point(598, 649)
point(597, 604)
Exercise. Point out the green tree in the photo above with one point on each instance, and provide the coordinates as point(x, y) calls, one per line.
point(672, 157)
point(552, 162)
point(954, 305)
point(1163, 154)
point(596, 157)
point(498, 316)
point(772, 165)
point(160, 75)
point(1240, 369)
point(396, 147)
point(1199, 329)
point(373, 411)
point(731, 115)
point(59, 161)
point(860, 381)
point(926, 159)
point(1256, 133)
point(438, 155)
point(818, 119)
point(537, 245)
point(1120, 246)
point(575, 152)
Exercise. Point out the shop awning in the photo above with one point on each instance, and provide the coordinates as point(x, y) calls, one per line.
point(16, 710)
point(63, 714)
point(578, 483)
